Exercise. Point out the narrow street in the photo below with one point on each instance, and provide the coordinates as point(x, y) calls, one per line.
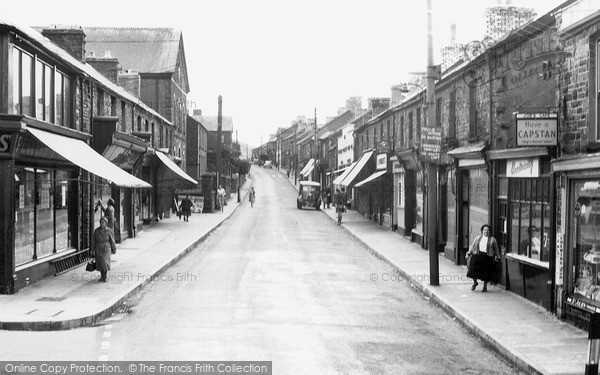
point(279, 284)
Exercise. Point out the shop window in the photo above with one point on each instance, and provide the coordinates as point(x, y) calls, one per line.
point(585, 237)
point(530, 218)
point(44, 215)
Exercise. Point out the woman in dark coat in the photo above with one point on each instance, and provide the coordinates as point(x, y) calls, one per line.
point(483, 252)
point(103, 245)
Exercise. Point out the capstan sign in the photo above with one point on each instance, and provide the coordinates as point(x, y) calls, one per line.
point(539, 129)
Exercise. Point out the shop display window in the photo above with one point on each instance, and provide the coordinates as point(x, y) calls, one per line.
point(585, 237)
point(530, 218)
point(43, 222)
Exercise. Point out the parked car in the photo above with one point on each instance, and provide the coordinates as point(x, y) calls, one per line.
point(309, 195)
point(268, 164)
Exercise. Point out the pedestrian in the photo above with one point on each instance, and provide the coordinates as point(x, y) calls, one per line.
point(340, 205)
point(221, 197)
point(481, 258)
point(252, 196)
point(109, 212)
point(103, 245)
point(328, 197)
point(186, 208)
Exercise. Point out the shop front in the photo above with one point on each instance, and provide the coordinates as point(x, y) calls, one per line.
point(523, 226)
point(125, 151)
point(360, 201)
point(377, 187)
point(409, 185)
point(47, 216)
point(578, 255)
point(472, 196)
point(170, 179)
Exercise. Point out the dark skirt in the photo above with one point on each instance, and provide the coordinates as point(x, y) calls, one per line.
point(482, 267)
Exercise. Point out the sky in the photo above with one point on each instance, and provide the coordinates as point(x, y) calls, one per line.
point(275, 60)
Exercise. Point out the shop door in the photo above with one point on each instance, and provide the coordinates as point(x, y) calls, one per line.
point(502, 236)
point(463, 217)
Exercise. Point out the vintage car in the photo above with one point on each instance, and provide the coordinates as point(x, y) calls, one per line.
point(309, 195)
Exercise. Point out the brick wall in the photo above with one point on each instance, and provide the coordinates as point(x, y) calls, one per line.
point(574, 82)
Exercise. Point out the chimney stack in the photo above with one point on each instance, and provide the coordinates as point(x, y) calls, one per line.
point(131, 81)
point(108, 66)
point(69, 38)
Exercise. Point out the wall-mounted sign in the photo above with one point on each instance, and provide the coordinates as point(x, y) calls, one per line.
point(539, 129)
point(381, 162)
point(431, 143)
point(523, 168)
point(397, 167)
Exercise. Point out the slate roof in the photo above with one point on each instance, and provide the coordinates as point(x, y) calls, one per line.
point(211, 123)
point(149, 50)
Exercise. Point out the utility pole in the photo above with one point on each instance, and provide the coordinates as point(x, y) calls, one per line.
point(316, 146)
point(296, 155)
point(432, 213)
point(219, 131)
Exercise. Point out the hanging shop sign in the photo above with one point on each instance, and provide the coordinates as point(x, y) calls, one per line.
point(523, 168)
point(537, 129)
point(382, 162)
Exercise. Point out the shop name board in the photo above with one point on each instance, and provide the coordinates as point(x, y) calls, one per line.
point(537, 129)
point(5, 143)
point(431, 143)
point(582, 305)
point(381, 161)
point(523, 168)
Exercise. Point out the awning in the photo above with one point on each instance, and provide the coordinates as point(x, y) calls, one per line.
point(172, 166)
point(341, 177)
point(310, 169)
point(82, 155)
point(308, 165)
point(473, 151)
point(125, 151)
point(369, 179)
point(360, 164)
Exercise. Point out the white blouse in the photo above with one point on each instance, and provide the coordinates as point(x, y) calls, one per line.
point(483, 244)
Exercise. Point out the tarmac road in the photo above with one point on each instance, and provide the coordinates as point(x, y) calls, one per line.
point(279, 284)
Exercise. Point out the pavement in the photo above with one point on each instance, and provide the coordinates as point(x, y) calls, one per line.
point(525, 334)
point(76, 298)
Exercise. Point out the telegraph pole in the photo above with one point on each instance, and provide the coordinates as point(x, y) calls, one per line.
point(432, 213)
point(219, 131)
point(316, 147)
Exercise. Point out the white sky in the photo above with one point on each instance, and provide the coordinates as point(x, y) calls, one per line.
point(273, 60)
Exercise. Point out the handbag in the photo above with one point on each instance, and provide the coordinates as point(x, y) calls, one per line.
point(91, 266)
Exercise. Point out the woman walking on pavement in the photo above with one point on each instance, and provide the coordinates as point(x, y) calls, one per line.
point(481, 257)
point(103, 245)
point(252, 196)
